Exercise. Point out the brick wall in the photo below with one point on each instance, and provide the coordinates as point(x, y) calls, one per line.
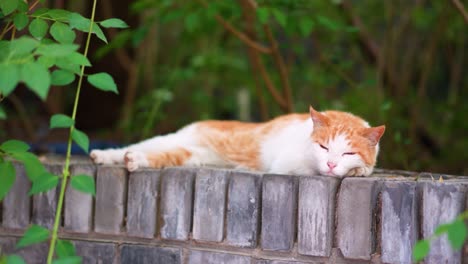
point(202, 215)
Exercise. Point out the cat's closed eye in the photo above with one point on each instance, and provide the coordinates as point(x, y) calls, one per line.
point(322, 146)
point(349, 153)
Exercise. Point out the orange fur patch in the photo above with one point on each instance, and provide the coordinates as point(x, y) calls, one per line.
point(176, 157)
point(238, 142)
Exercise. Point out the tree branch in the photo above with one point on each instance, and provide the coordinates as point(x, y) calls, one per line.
point(240, 35)
point(281, 67)
point(461, 9)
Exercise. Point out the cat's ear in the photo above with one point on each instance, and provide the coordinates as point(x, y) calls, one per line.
point(318, 118)
point(373, 134)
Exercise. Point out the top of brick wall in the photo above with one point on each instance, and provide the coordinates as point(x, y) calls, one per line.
point(303, 218)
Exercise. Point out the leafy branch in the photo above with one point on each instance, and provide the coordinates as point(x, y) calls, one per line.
point(39, 62)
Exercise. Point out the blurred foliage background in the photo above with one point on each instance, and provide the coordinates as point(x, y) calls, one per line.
point(399, 63)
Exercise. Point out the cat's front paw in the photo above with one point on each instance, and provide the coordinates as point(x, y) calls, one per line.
point(134, 160)
point(360, 171)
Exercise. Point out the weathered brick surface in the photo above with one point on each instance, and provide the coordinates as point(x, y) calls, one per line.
point(111, 193)
point(176, 202)
point(142, 203)
point(316, 214)
point(206, 257)
point(78, 212)
point(278, 212)
point(45, 204)
point(264, 261)
point(442, 202)
point(16, 204)
point(399, 221)
point(34, 254)
point(136, 254)
point(209, 205)
point(355, 232)
point(96, 252)
point(243, 209)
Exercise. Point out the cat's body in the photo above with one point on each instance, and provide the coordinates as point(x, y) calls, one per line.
point(328, 143)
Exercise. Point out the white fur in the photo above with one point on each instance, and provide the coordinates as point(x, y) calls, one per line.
point(288, 150)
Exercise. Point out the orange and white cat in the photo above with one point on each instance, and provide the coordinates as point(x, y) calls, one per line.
point(328, 143)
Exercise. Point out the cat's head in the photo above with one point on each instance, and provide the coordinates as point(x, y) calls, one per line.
point(344, 144)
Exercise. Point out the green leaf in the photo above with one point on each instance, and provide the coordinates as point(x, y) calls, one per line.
point(34, 234)
point(8, 6)
point(98, 31)
point(328, 23)
point(263, 13)
point(62, 77)
point(43, 183)
point(20, 20)
point(279, 16)
point(56, 14)
point(79, 22)
point(457, 234)
point(81, 139)
point(3, 114)
point(23, 45)
point(13, 145)
point(37, 78)
point(61, 121)
point(64, 63)
point(15, 259)
point(77, 58)
point(68, 260)
point(83, 183)
point(57, 50)
point(103, 81)
point(46, 61)
point(420, 250)
point(62, 33)
point(64, 249)
point(7, 177)
point(9, 78)
point(32, 165)
point(113, 23)
point(306, 25)
point(38, 28)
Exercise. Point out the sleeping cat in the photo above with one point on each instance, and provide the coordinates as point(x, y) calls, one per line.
point(328, 143)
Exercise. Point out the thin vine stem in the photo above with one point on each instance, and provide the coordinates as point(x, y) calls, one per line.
point(66, 170)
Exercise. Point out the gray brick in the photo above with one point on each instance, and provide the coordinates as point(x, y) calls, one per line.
point(95, 252)
point(45, 204)
point(135, 254)
point(243, 209)
point(78, 213)
point(16, 204)
point(142, 203)
point(278, 212)
point(110, 199)
point(442, 202)
point(355, 232)
point(265, 261)
point(206, 257)
point(399, 221)
point(34, 254)
point(209, 205)
point(176, 202)
point(316, 215)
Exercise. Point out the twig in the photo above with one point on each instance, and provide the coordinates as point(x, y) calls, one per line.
point(281, 67)
point(240, 35)
point(461, 9)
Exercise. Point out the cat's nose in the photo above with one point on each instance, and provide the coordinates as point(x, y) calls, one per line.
point(331, 165)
